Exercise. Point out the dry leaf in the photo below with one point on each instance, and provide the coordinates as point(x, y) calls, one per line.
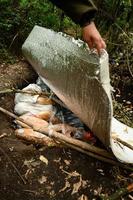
point(84, 183)
point(77, 186)
point(57, 160)
point(42, 180)
point(67, 185)
point(52, 193)
point(71, 174)
point(44, 159)
point(28, 163)
point(83, 197)
point(98, 191)
point(67, 162)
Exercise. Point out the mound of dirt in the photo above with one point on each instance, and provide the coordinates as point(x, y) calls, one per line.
point(16, 76)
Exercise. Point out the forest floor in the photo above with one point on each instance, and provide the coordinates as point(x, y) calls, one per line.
point(67, 175)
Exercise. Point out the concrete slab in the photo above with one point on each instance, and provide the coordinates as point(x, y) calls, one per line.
point(77, 76)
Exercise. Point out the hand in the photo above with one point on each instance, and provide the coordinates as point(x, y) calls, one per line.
point(93, 38)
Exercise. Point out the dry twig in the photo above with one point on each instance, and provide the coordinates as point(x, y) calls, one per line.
point(129, 67)
point(124, 143)
point(3, 135)
point(44, 94)
point(83, 147)
point(10, 161)
point(121, 192)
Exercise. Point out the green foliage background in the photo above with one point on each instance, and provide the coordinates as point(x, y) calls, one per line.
point(17, 18)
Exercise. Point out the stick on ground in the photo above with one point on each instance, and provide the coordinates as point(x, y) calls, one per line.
point(124, 143)
point(119, 193)
point(44, 94)
point(61, 137)
point(75, 144)
point(10, 161)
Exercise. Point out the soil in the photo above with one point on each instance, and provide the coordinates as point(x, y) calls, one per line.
point(67, 174)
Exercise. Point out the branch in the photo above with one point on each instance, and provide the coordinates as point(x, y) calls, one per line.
point(10, 161)
point(124, 143)
point(45, 94)
point(119, 193)
point(83, 147)
point(129, 67)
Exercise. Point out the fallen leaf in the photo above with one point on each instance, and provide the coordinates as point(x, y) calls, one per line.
point(67, 162)
point(131, 175)
point(67, 185)
point(52, 193)
point(71, 174)
point(130, 196)
point(81, 183)
point(44, 159)
point(84, 183)
point(98, 191)
point(52, 183)
point(42, 180)
point(3, 135)
point(57, 160)
point(28, 162)
point(35, 163)
point(83, 197)
point(77, 186)
point(75, 174)
point(28, 173)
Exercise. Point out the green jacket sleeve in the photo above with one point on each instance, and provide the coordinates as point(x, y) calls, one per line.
point(80, 11)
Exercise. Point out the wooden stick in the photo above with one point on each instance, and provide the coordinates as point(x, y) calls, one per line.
point(99, 157)
point(45, 94)
point(8, 158)
point(78, 143)
point(56, 135)
point(6, 91)
point(75, 144)
point(119, 193)
point(124, 143)
point(14, 116)
point(3, 135)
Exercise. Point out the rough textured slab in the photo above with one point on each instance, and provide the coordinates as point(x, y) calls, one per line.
point(80, 79)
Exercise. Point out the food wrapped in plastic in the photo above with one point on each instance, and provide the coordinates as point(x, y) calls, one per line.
point(28, 103)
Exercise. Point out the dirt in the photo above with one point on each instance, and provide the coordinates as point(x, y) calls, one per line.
point(16, 75)
point(63, 174)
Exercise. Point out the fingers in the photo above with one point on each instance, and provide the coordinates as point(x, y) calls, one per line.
point(93, 38)
point(90, 44)
point(99, 45)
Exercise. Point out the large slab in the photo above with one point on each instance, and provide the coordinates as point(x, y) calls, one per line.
point(79, 78)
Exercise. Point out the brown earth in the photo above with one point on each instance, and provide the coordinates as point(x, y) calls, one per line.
point(68, 175)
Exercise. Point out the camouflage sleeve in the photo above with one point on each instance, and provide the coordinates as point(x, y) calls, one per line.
point(80, 11)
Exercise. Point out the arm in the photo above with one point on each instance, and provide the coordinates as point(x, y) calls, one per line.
point(80, 11)
point(83, 12)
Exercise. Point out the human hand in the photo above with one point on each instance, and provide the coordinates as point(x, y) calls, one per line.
point(93, 38)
